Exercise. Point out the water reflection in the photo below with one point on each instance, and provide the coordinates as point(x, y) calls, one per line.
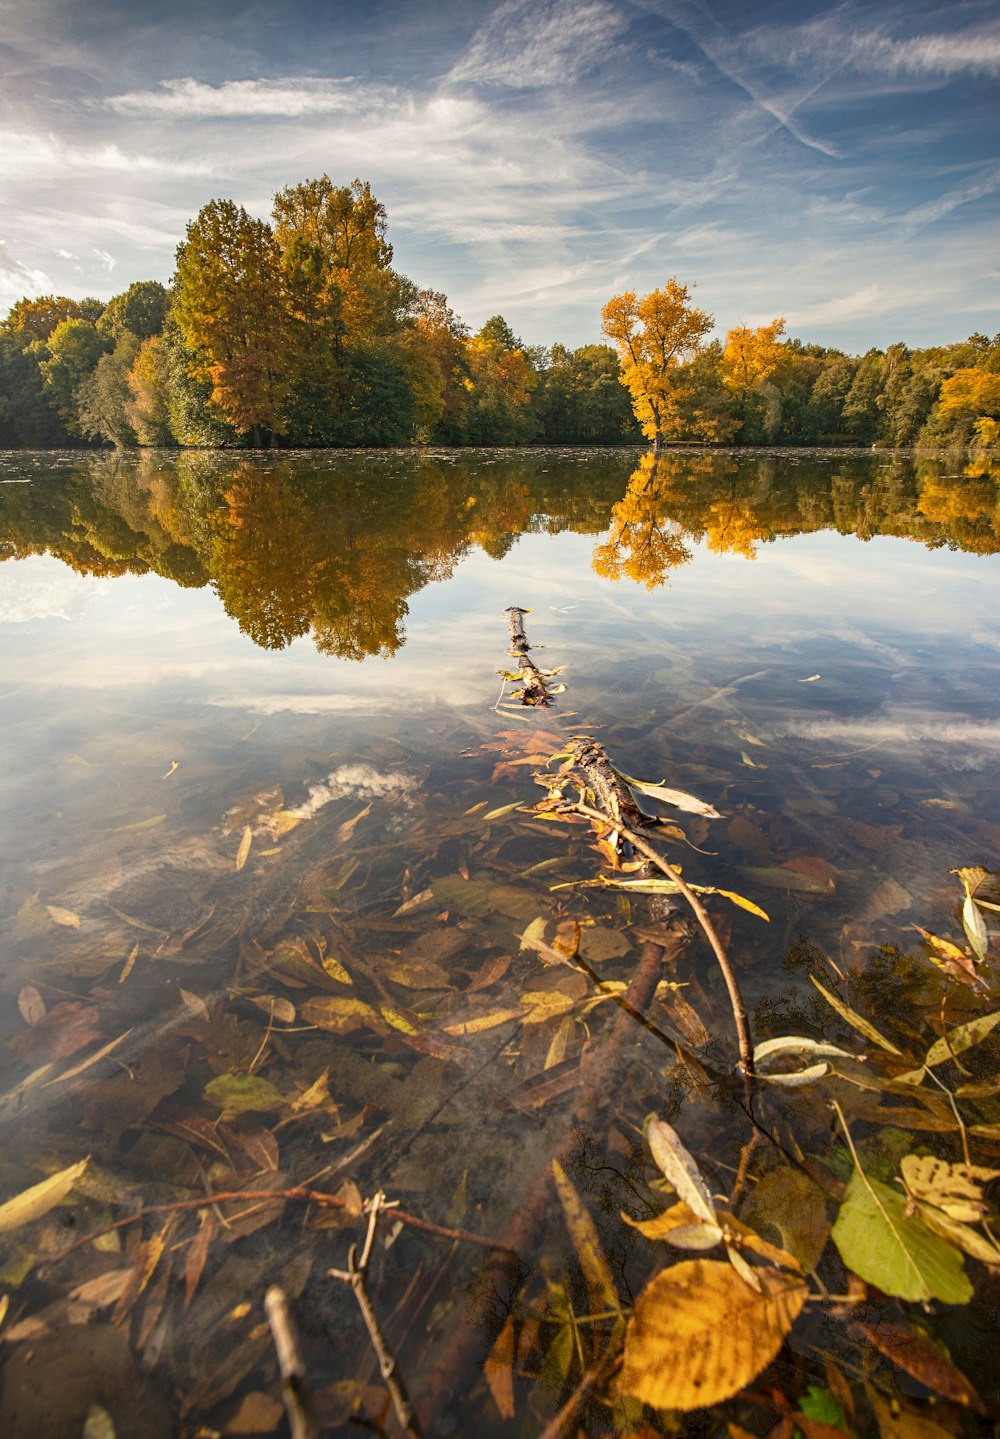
point(293, 548)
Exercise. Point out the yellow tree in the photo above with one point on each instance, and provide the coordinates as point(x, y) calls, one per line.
point(751, 356)
point(656, 336)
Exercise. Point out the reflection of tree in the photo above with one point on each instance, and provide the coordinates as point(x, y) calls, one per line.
point(338, 547)
point(263, 557)
point(644, 544)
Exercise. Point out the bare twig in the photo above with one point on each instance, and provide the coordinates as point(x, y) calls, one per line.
point(559, 1424)
point(301, 1420)
point(643, 846)
point(355, 1275)
point(310, 1196)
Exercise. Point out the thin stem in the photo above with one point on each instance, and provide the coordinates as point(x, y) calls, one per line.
point(728, 973)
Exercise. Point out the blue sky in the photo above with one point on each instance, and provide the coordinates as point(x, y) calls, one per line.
point(837, 164)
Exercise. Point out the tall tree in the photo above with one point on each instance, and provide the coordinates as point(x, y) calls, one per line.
point(655, 336)
point(230, 311)
point(141, 310)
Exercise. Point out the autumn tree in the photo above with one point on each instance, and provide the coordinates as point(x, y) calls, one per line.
point(230, 311)
point(35, 319)
point(645, 543)
point(655, 336)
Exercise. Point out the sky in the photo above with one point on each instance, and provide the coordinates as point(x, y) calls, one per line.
point(835, 164)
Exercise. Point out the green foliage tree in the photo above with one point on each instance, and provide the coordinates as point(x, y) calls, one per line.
point(141, 311)
point(34, 319)
point(104, 398)
point(73, 350)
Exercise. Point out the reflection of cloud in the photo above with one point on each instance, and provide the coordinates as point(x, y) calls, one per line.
point(903, 729)
point(41, 588)
point(302, 704)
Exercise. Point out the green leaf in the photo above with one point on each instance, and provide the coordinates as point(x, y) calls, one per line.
point(819, 1404)
point(899, 1255)
point(240, 1093)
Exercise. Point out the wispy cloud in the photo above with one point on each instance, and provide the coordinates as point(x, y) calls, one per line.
point(528, 43)
point(974, 187)
point(291, 98)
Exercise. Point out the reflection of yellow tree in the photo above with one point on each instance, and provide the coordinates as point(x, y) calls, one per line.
point(643, 544)
point(734, 527)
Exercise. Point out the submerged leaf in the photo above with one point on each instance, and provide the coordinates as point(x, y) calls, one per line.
point(699, 1333)
point(593, 1261)
point(244, 849)
point(243, 1093)
point(855, 1020)
point(961, 1038)
point(66, 917)
point(898, 1254)
point(40, 1198)
point(957, 1189)
point(31, 1004)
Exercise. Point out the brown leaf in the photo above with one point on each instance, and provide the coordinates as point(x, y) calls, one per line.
point(31, 1004)
point(583, 1232)
point(499, 1370)
point(194, 1265)
point(920, 1359)
point(197, 1006)
point(66, 917)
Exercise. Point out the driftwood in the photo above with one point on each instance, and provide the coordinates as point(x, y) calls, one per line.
point(535, 683)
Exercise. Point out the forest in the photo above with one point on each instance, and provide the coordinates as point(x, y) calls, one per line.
point(299, 333)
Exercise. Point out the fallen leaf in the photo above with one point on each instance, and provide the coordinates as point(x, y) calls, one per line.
point(719, 1333)
point(154, 819)
point(88, 1062)
point(32, 1203)
point(197, 1006)
point(679, 1168)
point(129, 964)
point(347, 829)
point(244, 850)
point(31, 1004)
point(898, 1254)
point(499, 1370)
point(62, 916)
point(243, 1093)
point(593, 1261)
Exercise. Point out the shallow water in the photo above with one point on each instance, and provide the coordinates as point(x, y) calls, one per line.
point(300, 654)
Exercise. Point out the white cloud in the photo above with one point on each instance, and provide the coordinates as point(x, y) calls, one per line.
point(37, 156)
point(530, 43)
point(970, 52)
point(975, 187)
point(896, 729)
point(290, 98)
point(17, 279)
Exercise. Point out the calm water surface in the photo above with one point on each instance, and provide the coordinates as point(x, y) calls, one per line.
point(300, 654)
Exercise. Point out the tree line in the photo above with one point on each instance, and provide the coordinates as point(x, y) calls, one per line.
point(299, 332)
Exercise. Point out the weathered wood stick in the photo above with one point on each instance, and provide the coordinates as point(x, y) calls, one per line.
point(301, 1420)
point(356, 1275)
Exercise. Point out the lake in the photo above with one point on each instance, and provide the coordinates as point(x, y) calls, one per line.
point(282, 912)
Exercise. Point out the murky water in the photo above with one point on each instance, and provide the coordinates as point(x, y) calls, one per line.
point(263, 919)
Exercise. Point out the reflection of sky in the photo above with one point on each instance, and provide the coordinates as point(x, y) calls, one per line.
point(888, 602)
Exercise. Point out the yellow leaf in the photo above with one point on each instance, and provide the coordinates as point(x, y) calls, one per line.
point(129, 964)
point(499, 1370)
point(583, 1232)
point(171, 770)
point(744, 903)
point(40, 1198)
point(698, 1333)
point(544, 1004)
point(482, 1022)
point(142, 823)
point(62, 916)
point(855, 1020)
point(347, 828)
point(244, 850)
point(336, 970)
point(393, 1017)
point(957, 1189)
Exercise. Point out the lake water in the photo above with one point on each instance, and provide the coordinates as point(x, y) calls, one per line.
point(263, 923)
